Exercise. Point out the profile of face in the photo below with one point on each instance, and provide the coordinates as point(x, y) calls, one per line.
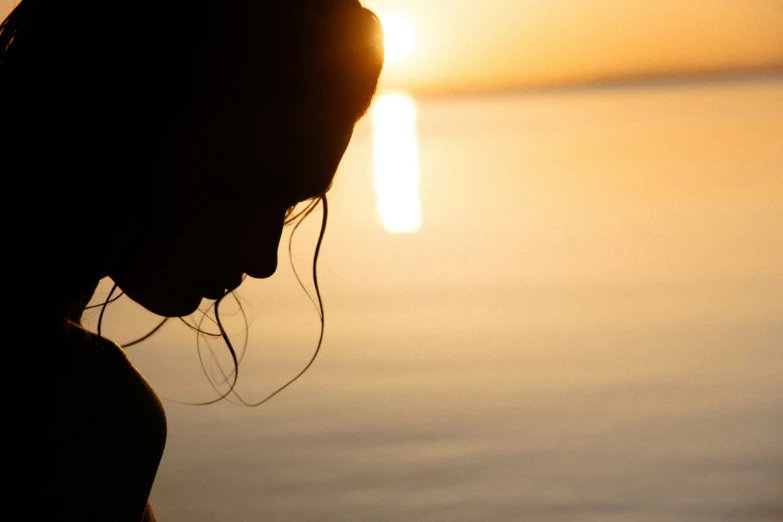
point(228, 177)
point(248, 125)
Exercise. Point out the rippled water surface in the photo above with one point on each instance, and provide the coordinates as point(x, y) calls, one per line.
point(588, 326)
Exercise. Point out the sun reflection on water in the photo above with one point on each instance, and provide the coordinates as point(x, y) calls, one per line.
point(396, 158)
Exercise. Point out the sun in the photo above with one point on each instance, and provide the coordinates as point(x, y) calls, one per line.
point(399, 38)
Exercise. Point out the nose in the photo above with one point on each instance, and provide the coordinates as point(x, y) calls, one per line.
point(260, 245)
point(264, 269)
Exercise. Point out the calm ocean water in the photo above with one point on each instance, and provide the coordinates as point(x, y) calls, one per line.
point(587, 327)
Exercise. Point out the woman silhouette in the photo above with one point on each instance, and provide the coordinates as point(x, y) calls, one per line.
point(134, 136)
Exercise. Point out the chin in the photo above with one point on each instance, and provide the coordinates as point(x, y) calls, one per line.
point(215, 296)
point(168, 305)
point(180, 309)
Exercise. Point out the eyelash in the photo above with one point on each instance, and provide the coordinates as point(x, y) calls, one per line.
point(291, 216)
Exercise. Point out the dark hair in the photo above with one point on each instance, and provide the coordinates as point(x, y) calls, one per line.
point(89, 87)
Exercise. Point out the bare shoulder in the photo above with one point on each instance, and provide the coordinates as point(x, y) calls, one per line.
point(141, 409)
point(124, 400)
point(99, 431)
point(132, 427)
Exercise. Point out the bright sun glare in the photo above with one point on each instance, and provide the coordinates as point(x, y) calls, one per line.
point(398, 37)
point(397, 162)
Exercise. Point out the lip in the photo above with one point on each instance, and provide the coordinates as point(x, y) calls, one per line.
point(216, 290)
point(234, 282)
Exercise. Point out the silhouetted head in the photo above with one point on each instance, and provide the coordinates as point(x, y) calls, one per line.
point(164, 143)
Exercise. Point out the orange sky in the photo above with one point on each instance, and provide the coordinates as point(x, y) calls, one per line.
point(477, 45)
point(470, 45)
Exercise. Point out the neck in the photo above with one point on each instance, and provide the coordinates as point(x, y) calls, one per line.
point(55, 307)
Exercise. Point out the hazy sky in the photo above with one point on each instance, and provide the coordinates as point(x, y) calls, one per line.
point(466, 45)
point(469, 45)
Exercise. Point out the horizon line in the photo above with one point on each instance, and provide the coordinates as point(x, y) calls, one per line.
point(654, 80)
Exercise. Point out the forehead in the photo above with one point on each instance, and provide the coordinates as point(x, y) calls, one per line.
point(284, 158)
point(310, 153)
